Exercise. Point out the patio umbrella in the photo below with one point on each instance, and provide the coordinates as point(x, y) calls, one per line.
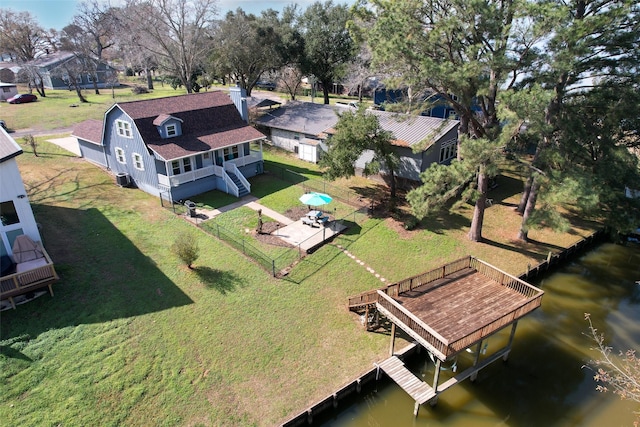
point(315, 199)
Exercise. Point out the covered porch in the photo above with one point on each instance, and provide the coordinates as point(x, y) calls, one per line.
point(229, 164)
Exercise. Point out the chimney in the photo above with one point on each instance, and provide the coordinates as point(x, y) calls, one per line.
point(239, 98)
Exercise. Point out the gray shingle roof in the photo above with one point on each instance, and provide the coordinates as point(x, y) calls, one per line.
point(9, 148)
point(315, 119)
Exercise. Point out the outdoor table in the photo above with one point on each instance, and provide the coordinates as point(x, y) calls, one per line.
point(314, 214)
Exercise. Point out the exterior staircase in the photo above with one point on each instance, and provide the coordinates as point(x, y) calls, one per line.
point(242, 190)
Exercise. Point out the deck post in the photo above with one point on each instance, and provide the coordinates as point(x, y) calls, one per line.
point(366, 318)
point(436, 375)
point(416, 409)
point(393, 338)
point(513, 334)
point(476, 359)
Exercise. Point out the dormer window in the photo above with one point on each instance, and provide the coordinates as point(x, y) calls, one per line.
point(168, 126)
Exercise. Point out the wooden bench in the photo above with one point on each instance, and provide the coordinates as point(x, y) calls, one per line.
point(29, 276)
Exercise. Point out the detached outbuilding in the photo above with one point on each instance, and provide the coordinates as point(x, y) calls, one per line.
point(303, 128)
point(7, 90)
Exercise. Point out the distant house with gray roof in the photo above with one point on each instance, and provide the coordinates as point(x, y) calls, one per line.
point(304, 127)
point(179, 146)
point(57, 69)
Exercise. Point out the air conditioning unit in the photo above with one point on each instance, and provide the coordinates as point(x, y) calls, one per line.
point(123, 179)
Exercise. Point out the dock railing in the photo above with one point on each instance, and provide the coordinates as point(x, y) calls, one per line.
point(384, 298)
point(434, 340)
point(410, 283)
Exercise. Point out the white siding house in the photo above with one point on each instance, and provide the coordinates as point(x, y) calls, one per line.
point(15, 209)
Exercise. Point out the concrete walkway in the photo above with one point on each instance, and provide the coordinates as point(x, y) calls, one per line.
point(248, 201)
point(70, 144)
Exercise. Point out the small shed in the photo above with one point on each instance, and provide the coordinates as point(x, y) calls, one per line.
point(308, 149)
point(7, 90)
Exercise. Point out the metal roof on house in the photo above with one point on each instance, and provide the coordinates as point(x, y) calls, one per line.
point(210, 120)
point(319, 119)
point(89, 130)
point(9, 148)
point(52, 59)
point(409, 130)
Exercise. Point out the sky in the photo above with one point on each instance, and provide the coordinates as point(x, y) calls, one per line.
point(58, 13)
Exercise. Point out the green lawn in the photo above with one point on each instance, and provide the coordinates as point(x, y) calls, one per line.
point(134, 338)
point(61, 108)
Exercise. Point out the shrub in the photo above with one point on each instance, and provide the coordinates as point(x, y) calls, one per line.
point(137, 90)
point(186, 249)
point(411, 223)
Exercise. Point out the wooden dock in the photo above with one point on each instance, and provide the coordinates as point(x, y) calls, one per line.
point(420, 391)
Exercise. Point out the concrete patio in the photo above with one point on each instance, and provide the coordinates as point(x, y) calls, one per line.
point(306, 237)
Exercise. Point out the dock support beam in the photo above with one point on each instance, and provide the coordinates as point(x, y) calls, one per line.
point(476, 359)
point(393, 339)
point(416, 409)
point(513, 334)
point(436, 375)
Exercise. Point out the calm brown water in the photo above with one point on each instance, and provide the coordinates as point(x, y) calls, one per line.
point(543, 383)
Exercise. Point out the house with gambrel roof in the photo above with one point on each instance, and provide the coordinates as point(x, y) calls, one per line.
point(179, 146)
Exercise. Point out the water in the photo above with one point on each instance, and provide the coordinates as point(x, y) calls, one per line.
point(544, 382)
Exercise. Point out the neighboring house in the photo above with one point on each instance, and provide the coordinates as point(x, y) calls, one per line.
point(7, 90)
point(179, 146)
point(54, 69)
point(303, 128)
point(9, 72)
point(15, 209)
point(438, 106)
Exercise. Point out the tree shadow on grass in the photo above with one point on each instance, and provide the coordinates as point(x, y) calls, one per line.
point(221, 281)
point(520, 247)
point(103, 276)
point(12, 353)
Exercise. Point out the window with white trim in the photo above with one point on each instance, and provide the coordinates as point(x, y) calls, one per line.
point(231, 153)
point(181, 166)
point(175, 167)
point(89, 78)
point(448, 150)
point(137, 161)
point(120, 156)
point(123, 128)
point(79, 79)
point(171, 130)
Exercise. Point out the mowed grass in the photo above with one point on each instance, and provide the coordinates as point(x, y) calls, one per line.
point(134, 338)
point(62, 108)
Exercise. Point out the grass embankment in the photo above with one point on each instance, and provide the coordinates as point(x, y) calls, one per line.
point(133, 338)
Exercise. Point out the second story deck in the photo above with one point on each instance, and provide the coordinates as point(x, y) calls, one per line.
point(451, 308)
